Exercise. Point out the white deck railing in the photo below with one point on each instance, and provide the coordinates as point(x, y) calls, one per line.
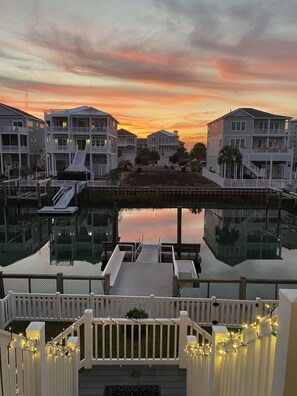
point(67, 307)
point(257, 360)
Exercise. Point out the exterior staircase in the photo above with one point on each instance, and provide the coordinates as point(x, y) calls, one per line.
point(78, 163)
point(259, 172)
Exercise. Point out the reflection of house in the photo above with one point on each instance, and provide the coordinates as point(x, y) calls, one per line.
point(236, 235)
point(126, 145)
point(165, 143)
point(21, 139)
point(80, 237)
point(20, 237)
point(288, 231)
point(81, 139)
point(262, 139)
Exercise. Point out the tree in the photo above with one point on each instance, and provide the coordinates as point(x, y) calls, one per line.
point(146, 156)
point(125, 166)
point(230, 157)
point(198, 153)
point(174, 158)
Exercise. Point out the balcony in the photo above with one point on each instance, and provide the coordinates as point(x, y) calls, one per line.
point(14, 149)
point(13, 129)
point(75, 130)
point(268, 154)
point(52, 147)
point(277, 132)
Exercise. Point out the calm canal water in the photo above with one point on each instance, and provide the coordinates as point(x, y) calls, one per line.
point(234, 242)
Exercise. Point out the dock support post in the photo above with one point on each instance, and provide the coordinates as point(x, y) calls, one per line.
point(242, 288)
point(5, 194)
point(115, 231)
point(60, 285)
point(39, 195)
point(179, 231)
point(2, 291)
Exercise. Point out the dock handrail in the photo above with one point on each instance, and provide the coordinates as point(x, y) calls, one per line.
point(174, 263)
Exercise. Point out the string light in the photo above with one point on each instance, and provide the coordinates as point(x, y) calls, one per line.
point(248, 334)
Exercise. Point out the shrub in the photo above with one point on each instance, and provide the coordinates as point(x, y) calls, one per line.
point(136, 313)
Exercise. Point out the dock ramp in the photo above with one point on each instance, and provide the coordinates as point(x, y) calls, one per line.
point(62, 199)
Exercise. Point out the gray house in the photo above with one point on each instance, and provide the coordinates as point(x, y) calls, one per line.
point(21, 140)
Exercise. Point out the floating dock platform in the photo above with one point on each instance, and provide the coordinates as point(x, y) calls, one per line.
point(53, 211)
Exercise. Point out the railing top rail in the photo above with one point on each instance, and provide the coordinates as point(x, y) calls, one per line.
point(156, 298)
point(144, 321)
point(51, 276)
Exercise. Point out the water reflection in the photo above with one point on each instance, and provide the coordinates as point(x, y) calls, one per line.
point(235, 235)
point(80, 237)
point(234, 242)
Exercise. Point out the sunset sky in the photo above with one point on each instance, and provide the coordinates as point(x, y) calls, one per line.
point(152, 64)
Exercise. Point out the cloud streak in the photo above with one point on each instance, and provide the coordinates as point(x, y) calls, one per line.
point(159, 64)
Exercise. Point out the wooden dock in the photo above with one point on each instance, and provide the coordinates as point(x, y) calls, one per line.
point(145, 276)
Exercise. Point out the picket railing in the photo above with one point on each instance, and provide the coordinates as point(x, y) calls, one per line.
point(259, 359)
point(30, 367)
point(67, 307)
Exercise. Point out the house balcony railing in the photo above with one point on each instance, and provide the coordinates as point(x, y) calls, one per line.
point(13, 129)
point(14, 149)
point(52, 147)
point(268, 154)
point(66, 129)
point(278, 132)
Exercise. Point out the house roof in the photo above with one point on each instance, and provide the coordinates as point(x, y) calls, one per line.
point(81, 111)
point(255, 113)
point(124, 132)
point(261, 114)
point(20, 112)
point(164, 133)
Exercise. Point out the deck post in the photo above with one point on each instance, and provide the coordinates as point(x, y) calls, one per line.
point(88, 314)
point(36, 331)
point(285, 366)
point(218, 333)
point(73, 343)
point(183, 327)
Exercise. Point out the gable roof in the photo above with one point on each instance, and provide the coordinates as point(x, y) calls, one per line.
point(124, 132)
point(81, 111)
point(20, 112)
point(261, 114)
point(255, 113)
point(164, 133)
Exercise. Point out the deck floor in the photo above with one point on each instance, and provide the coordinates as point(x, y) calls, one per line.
point(144, 279)
point(171, 379)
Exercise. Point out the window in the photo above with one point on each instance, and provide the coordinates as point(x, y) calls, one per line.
point(242, 143)
point(238, 125)
point(263, 125)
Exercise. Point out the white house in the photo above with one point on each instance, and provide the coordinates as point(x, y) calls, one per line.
point(165, 143)
point(80, 139)
point(293, 139)
point(21, 139)
point(127, 143)
point(261, 138)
